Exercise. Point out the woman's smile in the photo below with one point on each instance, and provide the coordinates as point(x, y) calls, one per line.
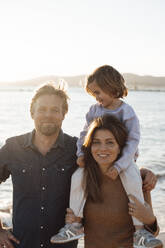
point(104, 148)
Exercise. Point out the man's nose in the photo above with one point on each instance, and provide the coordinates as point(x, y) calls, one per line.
point(47, 113)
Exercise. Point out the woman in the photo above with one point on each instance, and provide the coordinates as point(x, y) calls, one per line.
point(107, 222)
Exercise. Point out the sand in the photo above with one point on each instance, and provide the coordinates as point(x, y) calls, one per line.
point(161, 236)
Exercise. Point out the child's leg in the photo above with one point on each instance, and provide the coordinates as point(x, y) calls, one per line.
point(77, 198)
point(132, 183)
point(73, 231)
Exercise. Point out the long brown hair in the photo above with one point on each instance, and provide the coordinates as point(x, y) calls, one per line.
point(109, 80)
point(92, 173)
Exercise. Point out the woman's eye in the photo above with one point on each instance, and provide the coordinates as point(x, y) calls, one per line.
point(95, 142)
point(109, 142)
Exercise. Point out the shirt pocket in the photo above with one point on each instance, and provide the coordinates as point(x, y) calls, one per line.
point(22, 178)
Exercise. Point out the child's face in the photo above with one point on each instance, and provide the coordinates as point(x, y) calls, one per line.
point(106, 100)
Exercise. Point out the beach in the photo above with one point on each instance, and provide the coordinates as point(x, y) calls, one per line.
point(6, 218)
point(161, 236)
point(149, 106)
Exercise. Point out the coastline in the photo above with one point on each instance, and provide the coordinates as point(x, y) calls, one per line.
point(133, 82)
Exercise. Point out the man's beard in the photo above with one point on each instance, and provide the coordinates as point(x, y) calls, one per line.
point(48, 130)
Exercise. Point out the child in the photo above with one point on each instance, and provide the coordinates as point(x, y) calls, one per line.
point(107, 85)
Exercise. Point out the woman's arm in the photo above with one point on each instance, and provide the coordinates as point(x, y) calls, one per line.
point(144, 212)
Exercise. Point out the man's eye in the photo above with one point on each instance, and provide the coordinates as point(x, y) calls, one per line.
point(55, 110)
point(41, 110)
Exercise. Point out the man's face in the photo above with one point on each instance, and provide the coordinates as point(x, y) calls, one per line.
point(47, 114)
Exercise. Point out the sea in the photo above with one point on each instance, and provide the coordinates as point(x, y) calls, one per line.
point(149, 105)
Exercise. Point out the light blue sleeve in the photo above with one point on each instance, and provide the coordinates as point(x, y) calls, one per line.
point(89, 118)
point(131, 122)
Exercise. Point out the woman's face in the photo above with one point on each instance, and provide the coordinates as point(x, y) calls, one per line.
point(104, 149)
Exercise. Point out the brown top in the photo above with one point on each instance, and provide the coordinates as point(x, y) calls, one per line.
point(108, 224)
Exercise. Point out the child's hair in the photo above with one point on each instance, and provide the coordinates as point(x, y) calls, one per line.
point(109, 80)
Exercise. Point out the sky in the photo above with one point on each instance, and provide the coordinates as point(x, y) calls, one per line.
point(73, 37)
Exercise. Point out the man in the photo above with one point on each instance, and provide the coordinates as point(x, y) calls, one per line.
point(41, 164)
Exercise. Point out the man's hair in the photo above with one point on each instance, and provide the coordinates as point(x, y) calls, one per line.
point(51, 89)
point(109, 80)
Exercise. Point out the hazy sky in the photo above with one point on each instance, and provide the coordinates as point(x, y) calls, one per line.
point(70, 37)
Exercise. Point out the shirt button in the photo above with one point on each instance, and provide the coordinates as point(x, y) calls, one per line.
point(43, 188)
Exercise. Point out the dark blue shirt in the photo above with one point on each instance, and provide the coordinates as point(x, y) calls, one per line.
point(41, 187)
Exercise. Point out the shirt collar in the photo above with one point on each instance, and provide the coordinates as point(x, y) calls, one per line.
point(60, 140)
point(28, 142)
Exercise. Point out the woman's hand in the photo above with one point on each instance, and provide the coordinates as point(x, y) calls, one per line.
point(143, 212)
point(5, 239)
point(70, 216)
point(149, 179)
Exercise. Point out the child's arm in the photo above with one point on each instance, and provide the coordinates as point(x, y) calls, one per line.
point(132, 124)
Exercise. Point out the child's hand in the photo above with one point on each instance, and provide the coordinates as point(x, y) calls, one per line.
point(80, 161)
point(112, 173)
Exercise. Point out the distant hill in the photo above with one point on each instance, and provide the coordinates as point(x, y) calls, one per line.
point(72, 81)
point(137, 82)
point(133, 81)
